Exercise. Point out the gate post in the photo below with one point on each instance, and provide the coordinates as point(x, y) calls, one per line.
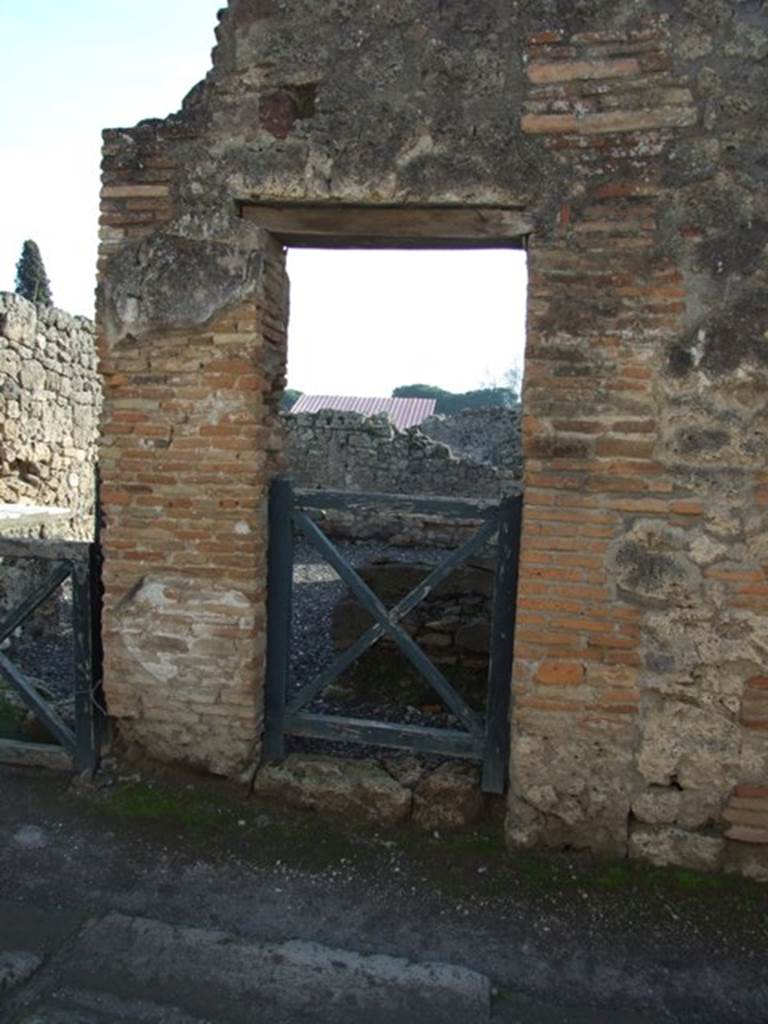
point(279, 590)
point(102, 723)
point(496, 750)
point(87, 725)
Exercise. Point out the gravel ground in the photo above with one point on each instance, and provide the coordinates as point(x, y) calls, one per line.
point(317, 589)
point(50, 662)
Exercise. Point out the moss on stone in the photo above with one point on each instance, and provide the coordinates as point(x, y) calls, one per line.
point(464, 866)
point(149, 801)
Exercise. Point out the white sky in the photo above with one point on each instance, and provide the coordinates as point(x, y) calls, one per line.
point(453, 319)
point(361, 322)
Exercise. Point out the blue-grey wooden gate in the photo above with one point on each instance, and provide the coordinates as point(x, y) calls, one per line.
point(79, 562)
point(482, 737)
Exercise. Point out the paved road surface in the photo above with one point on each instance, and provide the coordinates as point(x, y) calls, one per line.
point(160, 902)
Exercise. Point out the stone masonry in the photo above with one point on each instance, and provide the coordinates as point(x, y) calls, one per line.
point(452, 626)
point(347, 451)
point(630, 136)
point(488, 435)
point(50, 401)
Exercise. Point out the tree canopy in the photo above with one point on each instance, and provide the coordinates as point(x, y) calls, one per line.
point(451, 401)
point(290, 398)
point(31, 279)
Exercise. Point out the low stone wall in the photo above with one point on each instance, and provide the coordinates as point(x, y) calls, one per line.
point(491, 435)
point(387, 791)
point(346, 451)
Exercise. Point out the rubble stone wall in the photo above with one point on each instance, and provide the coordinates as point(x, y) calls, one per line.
point(452, 626)
point(50, 401)
point(630, 137)
point(487, 435)
point(346, 451)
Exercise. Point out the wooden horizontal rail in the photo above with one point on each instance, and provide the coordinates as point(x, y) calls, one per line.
point(450, 742)
point(35, 755)
point(45, 550)
point(413, 504)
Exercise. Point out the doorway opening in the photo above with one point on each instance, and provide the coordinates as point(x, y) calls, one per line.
point(404, 373)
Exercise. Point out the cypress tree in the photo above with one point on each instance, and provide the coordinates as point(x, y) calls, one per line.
point(31, 279)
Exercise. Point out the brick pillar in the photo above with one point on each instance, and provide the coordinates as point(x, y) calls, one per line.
point(189, 332)
point(602, 302)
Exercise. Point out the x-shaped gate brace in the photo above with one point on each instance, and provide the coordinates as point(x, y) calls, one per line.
point(78, 562)
point(484, 737)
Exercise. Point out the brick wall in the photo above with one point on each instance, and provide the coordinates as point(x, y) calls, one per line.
point(630, 133)
point(633, 589)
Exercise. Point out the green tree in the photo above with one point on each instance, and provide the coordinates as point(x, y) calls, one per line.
point(450, 401)
point(31, 279)
point(289, 399)
point(419, 391)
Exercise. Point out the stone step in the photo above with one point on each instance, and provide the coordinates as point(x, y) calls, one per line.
point(139, 971)
point(77, 1007)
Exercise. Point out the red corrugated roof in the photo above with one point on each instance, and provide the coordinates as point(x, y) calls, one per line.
point(403, 412)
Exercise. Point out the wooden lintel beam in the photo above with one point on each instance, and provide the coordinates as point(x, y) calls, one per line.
point(342, 226)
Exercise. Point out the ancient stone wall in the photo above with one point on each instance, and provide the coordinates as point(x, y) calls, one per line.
point(50, 401)
point(488, 435)
point(629, 139)
point(347, 451)
point(643, 624)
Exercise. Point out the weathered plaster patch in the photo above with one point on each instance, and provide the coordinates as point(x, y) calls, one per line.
point(650, 562)
point(700, 747)
point(175, 282)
